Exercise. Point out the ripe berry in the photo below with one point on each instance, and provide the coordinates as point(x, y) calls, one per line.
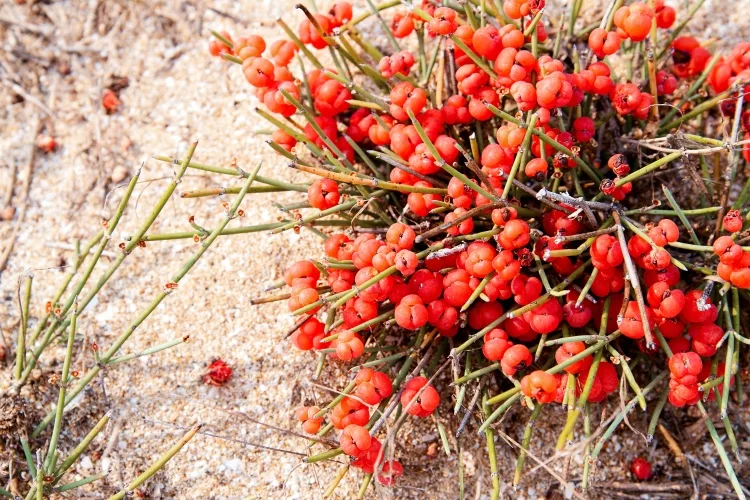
point(604, 43)
point(695, 313)
point(110, 101)
point(634, 21)
point(632, 322)
point(377, 292)
point(539, 385)
point(536, 169)
point(402, 24)
point(496, 343)
point(349, 411)
point(479, 262)
point(606, 252)
point(357, 311)
point(689, 57)
point(249, 46)
point(666, 83)
point(302, 271)
point(349, 345)
point(303, 337)
point(733, 221)
point(641, 469)
point(421, 204)
point(411, 312)
point(340, 280)
point(456, 110)
point(516, 358)
point(400, 62)
point(705, 337)
point(477, 107)
point(487, 42)
point(306, 415)
point(283, 139)
point(525, 289)
point(515, 235)
point(323, 194)
point(583, 127)
point(484, 313)
point(546, 317)
point(665, 15)
point(423, 405)
point(392, 469)
point(427, 284)
point(441, 315)
point(466, 226)
point(443, 22)
point(282, 52)
point(218, 373)
point(405, 96)
point(332, 98)
point(216, 47)
point(567, 351)
point(664, 232)
point(341, 13)
point(374, 455)
point(339, 246)
point(309, 34)
point(554, 91)
point(355, 440)
point(685, 364)
point(668, 303)
point(372, 386)
point(400, 236)
point(259, 72)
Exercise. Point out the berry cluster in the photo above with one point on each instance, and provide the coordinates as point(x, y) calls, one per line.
point(456, 186)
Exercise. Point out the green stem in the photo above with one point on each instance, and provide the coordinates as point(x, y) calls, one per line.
point(111, 225)
point(158, 465)
point(525, 443)
point(125, 335)
point(722, 452)
point(21, 344)
point(491, 452)
point(49, 466)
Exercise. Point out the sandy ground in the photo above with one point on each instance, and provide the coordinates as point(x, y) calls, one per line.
point(178, 94)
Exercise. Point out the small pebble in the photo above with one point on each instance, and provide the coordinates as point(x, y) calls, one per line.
point(119, 174)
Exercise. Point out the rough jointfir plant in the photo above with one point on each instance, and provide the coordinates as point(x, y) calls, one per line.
point(493, 169)
point(484, 182)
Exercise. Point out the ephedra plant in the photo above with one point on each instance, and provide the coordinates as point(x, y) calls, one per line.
point(483, 182)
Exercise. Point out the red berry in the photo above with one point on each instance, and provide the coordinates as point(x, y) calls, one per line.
point(604, 43)
point(218, 373)
point(496, 343)
point(733, 221)
point(567, 351)
point(423, 405)
point(349, 345)
point(355, 440)
point(539, 385)
point(634, 21)
point(349, 411)
point(392, 469)
point(411, 312)
point(641, 469)
point(372, 386)
point(516, 358)
point(443, 22)
point(110, 101)
point(323, 194)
